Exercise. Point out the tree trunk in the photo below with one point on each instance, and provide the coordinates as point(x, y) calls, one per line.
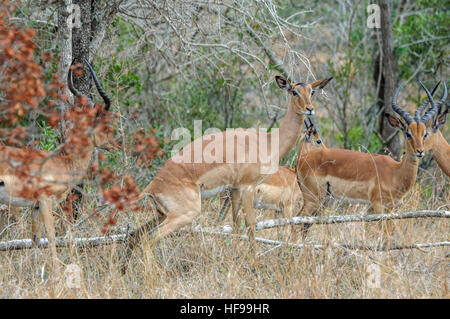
point(64, 43)
point(64, 40)
point(389, 79)
point(81, 39)
point(96, 15)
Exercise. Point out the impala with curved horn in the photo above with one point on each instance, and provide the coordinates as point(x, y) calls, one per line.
point(435, 140)
point(50, 177)
point(372, 178)
point(234, 158)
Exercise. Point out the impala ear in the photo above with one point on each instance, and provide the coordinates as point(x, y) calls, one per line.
point(321, 83)
point(283, 83)
point(395, 122)
point(440, 120)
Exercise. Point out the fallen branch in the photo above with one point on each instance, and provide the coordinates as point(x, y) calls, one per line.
point(226, 231)
point(392, 247)
point(271, 223)
point(62, 242)
point(107, 240)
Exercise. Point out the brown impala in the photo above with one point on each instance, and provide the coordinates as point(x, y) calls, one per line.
point(436, 141)
point(281, 191)
point(176, 190)
point(376, 179)
point(51, 176)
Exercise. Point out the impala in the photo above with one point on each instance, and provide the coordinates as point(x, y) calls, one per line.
point(177, 189)
point(376, 179)
point(436, 141)
point(50, 177)
point(280, 192)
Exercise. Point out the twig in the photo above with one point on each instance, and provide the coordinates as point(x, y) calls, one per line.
point(271, 223)
point(89, 216)
point(323, 246)
point(62, 242)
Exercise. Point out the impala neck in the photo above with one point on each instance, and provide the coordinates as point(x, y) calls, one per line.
point(290, 130)
point(407, 173)
point(79, 161)
point(441, 153)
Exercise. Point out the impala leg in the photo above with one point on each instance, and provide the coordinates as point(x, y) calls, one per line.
point(35, 226)
point(235, 206)
point(64, 222)
point(173, 223)
point(225, 205)
point(45, 210)
point(309, 209)
point(249, 212)
point(385, 226)
point(3, 217)
point(281, 213)
point(135, 238)
point(311, 202)
point(178, 215)
point(77, 203)
point(288, 212)
point(388, 228)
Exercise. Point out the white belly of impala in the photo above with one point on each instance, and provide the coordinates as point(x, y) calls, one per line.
point(340, 189)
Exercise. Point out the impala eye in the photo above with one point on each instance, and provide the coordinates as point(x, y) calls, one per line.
point(295, 92)
point(408, 135)
point(425, 135)
point(312, 92)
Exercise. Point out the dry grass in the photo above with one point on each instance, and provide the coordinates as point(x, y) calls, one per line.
point(191, 265)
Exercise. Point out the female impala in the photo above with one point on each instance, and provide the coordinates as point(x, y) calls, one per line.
point(47, 177)
point(281, 192)
point(370, 177)
point(176, 190)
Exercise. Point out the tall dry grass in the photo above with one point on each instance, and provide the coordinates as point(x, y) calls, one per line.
point(192, 265)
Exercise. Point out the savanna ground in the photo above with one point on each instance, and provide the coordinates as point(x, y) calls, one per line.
point(195, 265)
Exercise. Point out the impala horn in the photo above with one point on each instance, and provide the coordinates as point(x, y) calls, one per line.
point(405, 115)
point(102, 93)
point(439, 104)
point(420, 108)
point(429, 114)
